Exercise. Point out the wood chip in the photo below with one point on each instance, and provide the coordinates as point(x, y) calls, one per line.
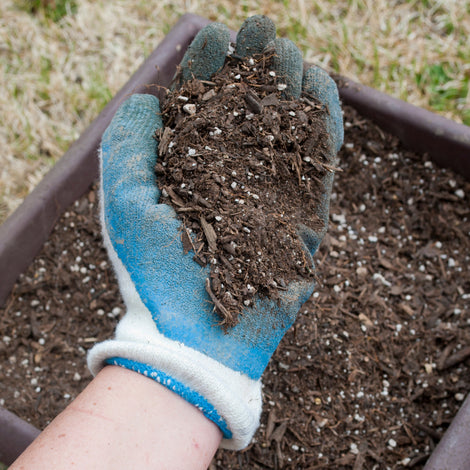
point(164, 139)
point(208, 95)
point(217, 303)
point(210, 234)
point(456, 358)
point(253, 102)
point(279, 432)
point(270, 100)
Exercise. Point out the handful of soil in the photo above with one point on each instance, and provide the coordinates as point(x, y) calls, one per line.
point(242, 166)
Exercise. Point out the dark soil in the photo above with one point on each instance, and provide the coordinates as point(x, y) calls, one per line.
point(372, 372)
point(242, 166)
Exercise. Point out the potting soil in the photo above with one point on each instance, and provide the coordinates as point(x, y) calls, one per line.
point(242, 166)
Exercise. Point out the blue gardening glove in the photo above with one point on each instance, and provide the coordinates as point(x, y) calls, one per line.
point(170, 330)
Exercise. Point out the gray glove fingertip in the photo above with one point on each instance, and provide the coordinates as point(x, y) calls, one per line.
point(288, 65)
point(318, 84)
point(312, 238)
point(254, 35)
point(206, 54)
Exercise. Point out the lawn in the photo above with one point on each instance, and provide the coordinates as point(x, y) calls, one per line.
point(61, 61)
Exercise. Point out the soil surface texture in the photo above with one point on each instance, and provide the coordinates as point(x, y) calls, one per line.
point(377, 363)
point(242, 166)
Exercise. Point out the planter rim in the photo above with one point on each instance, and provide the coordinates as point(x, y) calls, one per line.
point(453, 450)
point(15, 436)
point(445, 141)
point(25, 231)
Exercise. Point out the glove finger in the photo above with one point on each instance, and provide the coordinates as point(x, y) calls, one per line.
point(288, 65)
point(129, 150)
point(312, 236)
point(318, 84)
point(128, 156)
point(206, 54)
point(254, 35)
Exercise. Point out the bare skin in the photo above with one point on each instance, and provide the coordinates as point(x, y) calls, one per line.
point(124, 420)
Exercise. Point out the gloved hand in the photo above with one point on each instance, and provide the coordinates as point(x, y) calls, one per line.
point(170, 331)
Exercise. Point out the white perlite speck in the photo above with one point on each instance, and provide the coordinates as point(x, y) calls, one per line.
point(189, 108)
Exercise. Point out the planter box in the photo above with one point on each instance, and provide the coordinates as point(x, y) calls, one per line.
point(445, 141)
point(15, 436)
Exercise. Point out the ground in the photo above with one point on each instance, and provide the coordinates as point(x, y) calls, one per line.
point(376, 365)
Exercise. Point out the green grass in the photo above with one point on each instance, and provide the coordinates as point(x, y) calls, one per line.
point(53, 10)
point(98, 91)
point(444, 88)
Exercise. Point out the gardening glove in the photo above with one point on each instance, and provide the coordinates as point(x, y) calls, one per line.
point(170, 331)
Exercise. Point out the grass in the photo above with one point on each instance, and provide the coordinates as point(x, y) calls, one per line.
point(441, 84)
point(53, 10)
point(62, 60)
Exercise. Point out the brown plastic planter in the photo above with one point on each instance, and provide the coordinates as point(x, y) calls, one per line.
point(25, 231)
point(15, 436)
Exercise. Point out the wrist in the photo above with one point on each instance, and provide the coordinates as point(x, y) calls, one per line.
point(229, 395)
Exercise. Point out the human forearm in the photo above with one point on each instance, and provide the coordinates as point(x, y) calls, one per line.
point(125, 420)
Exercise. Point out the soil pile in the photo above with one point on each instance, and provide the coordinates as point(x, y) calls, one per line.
point(242, 167)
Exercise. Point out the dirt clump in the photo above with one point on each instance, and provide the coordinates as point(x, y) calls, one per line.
point(242, 166)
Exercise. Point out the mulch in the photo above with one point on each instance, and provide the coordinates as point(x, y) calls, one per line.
point(251, 172)
point(377, 363)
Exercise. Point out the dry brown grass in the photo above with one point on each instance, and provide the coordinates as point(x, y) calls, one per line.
point(56, 77)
